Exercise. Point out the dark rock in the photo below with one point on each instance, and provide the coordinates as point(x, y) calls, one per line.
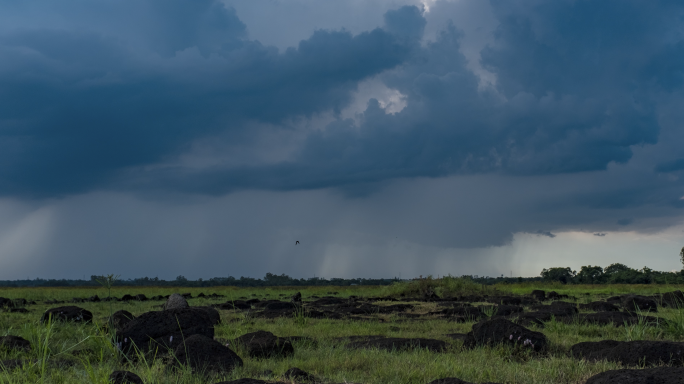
point(124, 377)
point(263, 344)
point(501, 331)
point(280, 305)
point(660, 375)
point(19, 302)
point(176, 301)
point(505, 300)
point(557, 308)
point(141, 297)
point(329, 301)
point(553, 295)
point(635, 303)
point(507, 310)
point(262, 304)
point(120, 318)
point(206, 354)
point(429, 296)
point(617, 318)
point(600, 306)
point(591, 349)
point(6, 303)
point(296, 298)
point(399, 344)
point(538, 294)
point(187, 295)
point(632, 353)
point(635, 353)
point(158, 297)
point(68, 313)
point(673, 299)
point(15, 342)
point(297, 374)
point(94, 299)
point(127, 297)
point(201, 295)
point(164, 329)
point(251, 302)
point(213, 314)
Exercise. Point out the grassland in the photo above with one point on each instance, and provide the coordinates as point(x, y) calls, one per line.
point(82, 353)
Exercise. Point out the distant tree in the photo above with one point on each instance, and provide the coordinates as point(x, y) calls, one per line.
point(681, 257)
point(564, 275)
point(590, 274)
point(616, 268)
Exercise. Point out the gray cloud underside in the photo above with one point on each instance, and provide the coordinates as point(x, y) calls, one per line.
point(127, 95)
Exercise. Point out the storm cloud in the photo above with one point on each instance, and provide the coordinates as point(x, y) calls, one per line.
point(557, 116)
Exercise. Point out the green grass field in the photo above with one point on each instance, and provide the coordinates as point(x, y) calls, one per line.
point(75, 353)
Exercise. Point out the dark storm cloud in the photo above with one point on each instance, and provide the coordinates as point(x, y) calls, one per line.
point(109, 95)
point(79, 106)
point(544, 233)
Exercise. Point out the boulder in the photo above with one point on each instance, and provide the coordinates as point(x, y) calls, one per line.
point(538, 294)
point(15, 342)
point(296, 298)
point(176, 301)
point(19, 302)
point(507, 310)
point(280, 305)
point(164, 329)
point(127, 297)
point(295, 373)
point(632, 353)
point(660, 375)
point(141, 297)
point(673, 299)
point(618, 318)
point(213, 314)
point(600, 306)
point(264, 344)
point(634, 303)
point(501, 331)
point(589, 350)
point(6, 303)
point(203, 353)
point(505, 300)
point(124, 377)
point(94, 299)
point(120, 318)
point(68, 313)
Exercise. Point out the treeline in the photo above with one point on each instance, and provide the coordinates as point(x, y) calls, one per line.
point(613, 274)
point(270, 280)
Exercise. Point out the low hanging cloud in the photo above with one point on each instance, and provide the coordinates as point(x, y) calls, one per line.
point(566, 118)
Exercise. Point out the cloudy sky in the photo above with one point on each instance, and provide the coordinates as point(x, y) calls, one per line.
point(390, 137)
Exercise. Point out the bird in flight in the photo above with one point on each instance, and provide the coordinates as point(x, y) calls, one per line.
point(296, 242)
